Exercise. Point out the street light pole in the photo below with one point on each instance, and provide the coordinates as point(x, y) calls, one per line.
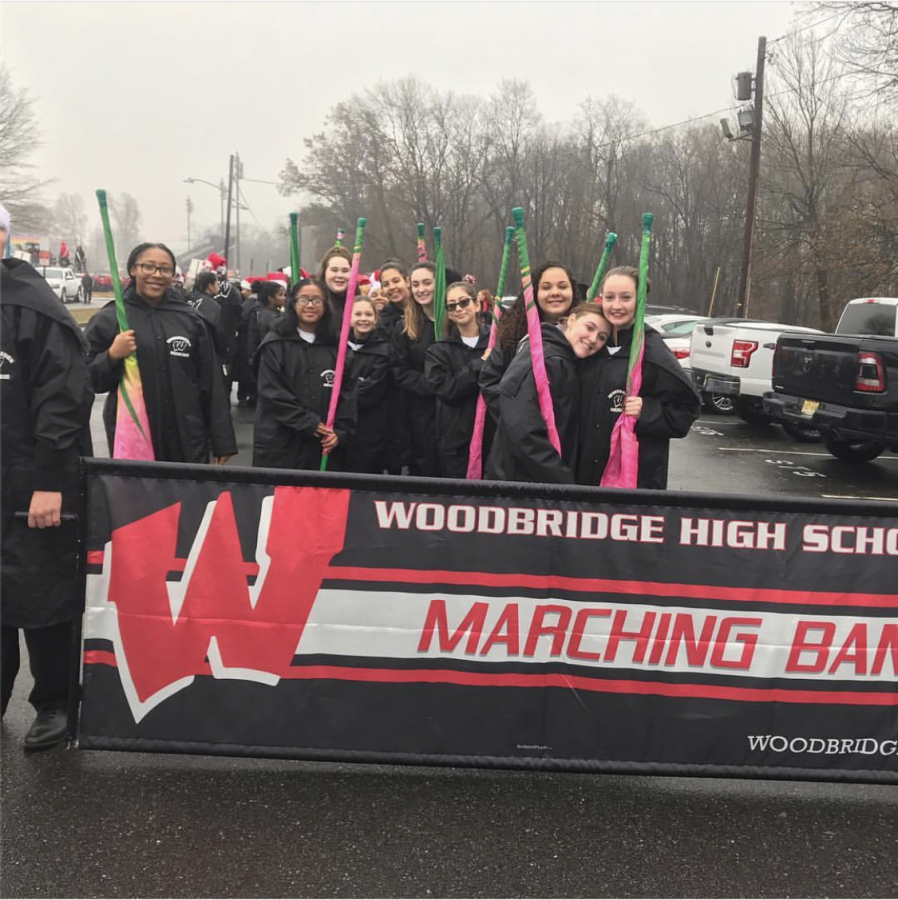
point(189, 211)
point(754, 168)
point(227, 235)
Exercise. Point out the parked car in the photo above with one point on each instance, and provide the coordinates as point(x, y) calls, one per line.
point(64, 282)
point(676, 329)
point(102, 282)
point(844, 384)
point(734, 358)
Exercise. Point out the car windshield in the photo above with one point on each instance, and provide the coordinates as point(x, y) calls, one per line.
point(52, 273)
point(675, 328)
point(868, 318)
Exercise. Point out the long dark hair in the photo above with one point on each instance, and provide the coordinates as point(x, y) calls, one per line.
point(513, 324)
point(265, 290)
point(287, 325)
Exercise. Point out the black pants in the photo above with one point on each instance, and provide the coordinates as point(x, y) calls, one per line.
point(49, 653)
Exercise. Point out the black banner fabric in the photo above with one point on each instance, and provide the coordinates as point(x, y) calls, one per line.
point(317, 616)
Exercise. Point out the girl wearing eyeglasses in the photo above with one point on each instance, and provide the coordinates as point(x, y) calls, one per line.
point(187, 407)
point(295, 368)
point(409, 348)
point(452, 368)
point(367, 451)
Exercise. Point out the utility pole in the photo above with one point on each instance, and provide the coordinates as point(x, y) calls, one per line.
point(189, 211)
point(227, 235)
point(754, 168)
point(238, 174)
point(222, 193)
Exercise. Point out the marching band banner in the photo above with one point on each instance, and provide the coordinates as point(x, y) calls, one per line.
point(367, 618)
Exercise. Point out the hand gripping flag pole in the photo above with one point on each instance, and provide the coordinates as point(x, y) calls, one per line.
point(439, 284)
point(344, 331)
point(610, 241)
point(475, 454)
point(422, 247)
point(535, 333)
point(132, 426)
point(622, 469)
point(295, 270)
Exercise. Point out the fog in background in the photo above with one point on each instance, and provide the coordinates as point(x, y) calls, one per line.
point(135, 97)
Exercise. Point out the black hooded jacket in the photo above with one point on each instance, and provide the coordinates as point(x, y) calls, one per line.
point(45, 404)
point(188, 410)
point(210, 311)
point(670, 405)
point(367, 450)
point(521, 448)
point(230, 301)
point(452, 369)
point(407, 366)
point(294, 380)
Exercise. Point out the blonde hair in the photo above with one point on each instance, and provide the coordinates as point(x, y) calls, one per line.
point(415, 320)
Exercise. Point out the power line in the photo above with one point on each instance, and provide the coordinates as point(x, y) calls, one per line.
point(782, 37)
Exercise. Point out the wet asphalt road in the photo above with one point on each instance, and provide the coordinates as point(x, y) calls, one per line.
point(101, 824)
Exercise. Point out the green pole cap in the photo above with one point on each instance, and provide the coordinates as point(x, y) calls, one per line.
point(647, 219)
point(518, 215)
point(509, 234)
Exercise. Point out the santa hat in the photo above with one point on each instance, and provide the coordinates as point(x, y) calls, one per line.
point(277, 276)
point(364, 279)
point(216, 261)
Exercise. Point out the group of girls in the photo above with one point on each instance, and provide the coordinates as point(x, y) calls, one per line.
point(408, 395)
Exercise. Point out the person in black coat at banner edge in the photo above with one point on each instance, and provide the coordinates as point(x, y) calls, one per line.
point(45, 403)
point(202, 299)
point(367, 451)
point(452, 368)
point(521, 449)
point(333, 273)
point(667, 404)
point(230, 301)
point(259, 316)
point(395, 286)
point(295, 369)
point(185, 398)
point(555, 290)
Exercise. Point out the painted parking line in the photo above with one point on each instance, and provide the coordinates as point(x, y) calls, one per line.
point(795, 452)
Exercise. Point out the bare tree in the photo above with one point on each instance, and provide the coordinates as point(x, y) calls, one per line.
point(126, 218)
point(69, 217)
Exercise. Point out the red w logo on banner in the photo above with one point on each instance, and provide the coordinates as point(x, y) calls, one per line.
point(169, 629)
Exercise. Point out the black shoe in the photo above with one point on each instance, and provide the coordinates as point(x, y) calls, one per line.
point(47, 731)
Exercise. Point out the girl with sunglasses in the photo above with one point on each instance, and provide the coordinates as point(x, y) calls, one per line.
point(188, 409)
point(368, 449)
point(452, 368)
point(295, 367)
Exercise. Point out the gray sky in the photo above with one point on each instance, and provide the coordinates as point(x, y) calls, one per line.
point(137, 96)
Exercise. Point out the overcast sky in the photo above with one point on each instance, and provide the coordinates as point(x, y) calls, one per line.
point(138, 96)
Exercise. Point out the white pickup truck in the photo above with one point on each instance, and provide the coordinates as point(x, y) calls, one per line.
point(64, 282)
point(735, 358)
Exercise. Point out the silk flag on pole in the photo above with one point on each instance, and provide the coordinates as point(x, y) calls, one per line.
point(475, 454)
point(344, 331)
point(622, 469)
point(610, 241)
point(132, 426)
point(439, 284)
point(422, 247)
point(295, 268)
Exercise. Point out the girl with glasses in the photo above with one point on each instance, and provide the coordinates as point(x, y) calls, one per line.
point(187, 406)
point(295, 368)
point(452, 368)
point(367, 451)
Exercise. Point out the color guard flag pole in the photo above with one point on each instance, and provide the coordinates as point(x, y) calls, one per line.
point(422, 247)
point(295, 271)
point(610, 241)
point(439, 284)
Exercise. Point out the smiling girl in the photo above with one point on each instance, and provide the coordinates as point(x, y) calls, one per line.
point(666, 407)
point(521, 449)
point(294, 376)
point(334, 272)
point(452, 369)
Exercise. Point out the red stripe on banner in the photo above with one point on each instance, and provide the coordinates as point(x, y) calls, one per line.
point(610, 586)
point(574, 682)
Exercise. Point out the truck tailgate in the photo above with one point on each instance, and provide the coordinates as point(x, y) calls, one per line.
point(712, 347)
point(819, 367)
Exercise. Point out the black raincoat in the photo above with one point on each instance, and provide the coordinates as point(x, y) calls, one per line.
point(45, 403)
point(294, 380)
point(210, 312)
point(230, 300)
point(399, 441)
point(452, 369)
point(521, 448)
point(407, 365)
point(188, 410)
point(670, 405)
point(367, 450)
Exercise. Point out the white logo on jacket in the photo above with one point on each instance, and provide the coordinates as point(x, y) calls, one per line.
point(179, 346)
point(327, 377)
point(617, 400)
point(4, 359)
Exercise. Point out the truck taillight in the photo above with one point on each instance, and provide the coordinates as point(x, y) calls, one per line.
point(681, 352)
point(742, 351)
point(870, 375)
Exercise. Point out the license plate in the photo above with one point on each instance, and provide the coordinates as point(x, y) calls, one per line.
point(809, 407)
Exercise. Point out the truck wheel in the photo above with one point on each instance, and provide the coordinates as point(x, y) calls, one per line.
point(853, 451)
point(720, 403)
point(751, 411)
point(62, 296)
point(806, 434)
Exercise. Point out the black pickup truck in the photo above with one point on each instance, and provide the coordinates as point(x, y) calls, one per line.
point(845, 384)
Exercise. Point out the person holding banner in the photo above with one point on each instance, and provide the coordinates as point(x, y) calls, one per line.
point(666, 407)
point(334, 273)
point(556, 292)
point(452, 368)
point(295, 368)
point(186, 401)
point(44, 424)
point(408, 351)
point(522, 450)
point(368, 449)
